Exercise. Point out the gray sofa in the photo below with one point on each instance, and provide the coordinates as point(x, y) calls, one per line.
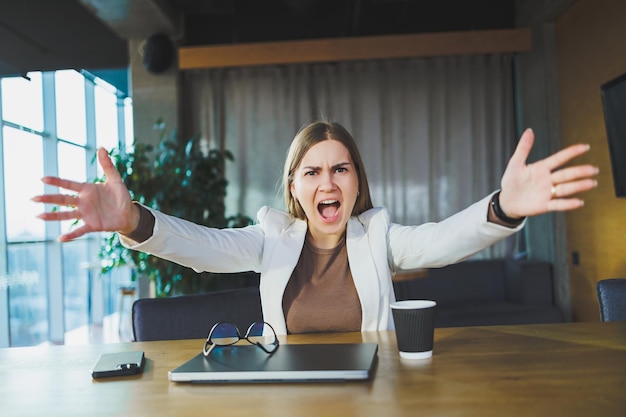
point(487, 292)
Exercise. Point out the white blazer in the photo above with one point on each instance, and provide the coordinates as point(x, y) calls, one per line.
point(376, 249)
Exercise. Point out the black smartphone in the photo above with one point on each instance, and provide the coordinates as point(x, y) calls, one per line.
point(118, 364)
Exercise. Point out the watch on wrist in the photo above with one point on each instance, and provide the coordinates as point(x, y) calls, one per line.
point(497, 210)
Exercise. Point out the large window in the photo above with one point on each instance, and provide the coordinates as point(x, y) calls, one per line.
point(52, 124)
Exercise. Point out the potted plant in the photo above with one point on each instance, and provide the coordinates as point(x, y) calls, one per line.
point(183, 179)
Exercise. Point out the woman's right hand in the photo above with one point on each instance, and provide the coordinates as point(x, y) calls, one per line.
point(102, 207)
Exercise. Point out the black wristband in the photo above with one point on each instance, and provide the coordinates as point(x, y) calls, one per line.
point(497, 210)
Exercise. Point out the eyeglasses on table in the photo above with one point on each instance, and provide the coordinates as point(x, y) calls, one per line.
point(260, 334)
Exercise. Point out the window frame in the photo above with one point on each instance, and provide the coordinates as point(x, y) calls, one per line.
point(54, 252)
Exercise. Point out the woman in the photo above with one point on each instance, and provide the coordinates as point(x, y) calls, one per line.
point(326, 264)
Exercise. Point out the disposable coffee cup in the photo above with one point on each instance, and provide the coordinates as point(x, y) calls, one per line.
point(415, 327)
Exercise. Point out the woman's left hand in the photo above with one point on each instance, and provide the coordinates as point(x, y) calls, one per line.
point(540, 187)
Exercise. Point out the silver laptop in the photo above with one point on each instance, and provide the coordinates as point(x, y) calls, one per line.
point(299, 363)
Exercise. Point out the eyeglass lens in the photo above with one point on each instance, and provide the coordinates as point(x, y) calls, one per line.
point(225, 334)
point(260, 333)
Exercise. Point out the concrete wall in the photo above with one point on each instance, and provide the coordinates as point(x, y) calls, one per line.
point(154, 96)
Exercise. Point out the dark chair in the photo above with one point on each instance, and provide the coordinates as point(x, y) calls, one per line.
point(192, 316)
point(612, 299)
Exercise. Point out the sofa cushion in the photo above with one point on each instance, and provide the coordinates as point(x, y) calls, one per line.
point(529, 282)
point(465, 282)
point(486, 292)
point(496, 313)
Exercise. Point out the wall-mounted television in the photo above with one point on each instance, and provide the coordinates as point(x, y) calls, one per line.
point(614, 105)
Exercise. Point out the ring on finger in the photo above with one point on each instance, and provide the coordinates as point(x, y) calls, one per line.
point(553, 191)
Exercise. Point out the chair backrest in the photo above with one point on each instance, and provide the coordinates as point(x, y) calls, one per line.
point(192, 316)
point(612, 299)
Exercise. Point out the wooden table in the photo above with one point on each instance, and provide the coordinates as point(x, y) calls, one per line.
point(575, 369)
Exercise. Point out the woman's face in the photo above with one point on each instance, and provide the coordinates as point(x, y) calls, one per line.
point(326, 185)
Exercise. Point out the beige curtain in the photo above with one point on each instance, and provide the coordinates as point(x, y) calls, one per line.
point(435, 133)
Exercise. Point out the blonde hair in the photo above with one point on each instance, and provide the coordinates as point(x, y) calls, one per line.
point(313, 134)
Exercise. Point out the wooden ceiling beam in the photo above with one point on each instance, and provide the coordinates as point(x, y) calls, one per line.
point(355, 48)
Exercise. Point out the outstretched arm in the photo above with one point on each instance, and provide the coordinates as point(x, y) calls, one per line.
point(543, 186)
point(101, 207)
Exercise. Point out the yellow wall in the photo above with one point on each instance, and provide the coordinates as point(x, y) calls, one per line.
point(591, 49)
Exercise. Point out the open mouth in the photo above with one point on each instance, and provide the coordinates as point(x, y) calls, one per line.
point(328, 209)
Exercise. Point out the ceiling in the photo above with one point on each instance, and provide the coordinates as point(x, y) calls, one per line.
point(44, 35)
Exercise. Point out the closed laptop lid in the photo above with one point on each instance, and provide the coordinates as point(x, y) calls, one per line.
point(297, 362)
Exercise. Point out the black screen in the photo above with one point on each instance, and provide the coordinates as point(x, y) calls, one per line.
point(614, 105)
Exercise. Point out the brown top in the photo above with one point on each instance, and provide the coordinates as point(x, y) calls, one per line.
point(320, 295)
